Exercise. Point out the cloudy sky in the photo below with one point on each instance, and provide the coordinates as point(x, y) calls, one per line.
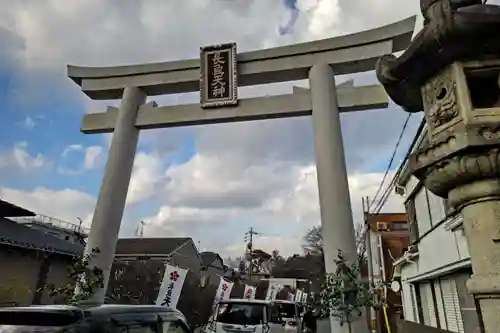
point(211, 182)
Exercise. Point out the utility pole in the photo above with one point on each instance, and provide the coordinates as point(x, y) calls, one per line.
point(369, 255)
point(249, 250)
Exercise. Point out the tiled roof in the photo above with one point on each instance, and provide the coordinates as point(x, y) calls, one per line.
point(9, 210)
point(15, 234)
point(208, 257)
point(139, 246)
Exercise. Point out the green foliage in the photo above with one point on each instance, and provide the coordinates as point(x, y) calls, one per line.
point(343, 295)
point(82, 278)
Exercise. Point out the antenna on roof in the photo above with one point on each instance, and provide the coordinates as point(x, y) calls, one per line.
point(139, 231)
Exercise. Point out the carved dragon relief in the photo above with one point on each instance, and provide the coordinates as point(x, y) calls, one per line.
point(440, 99)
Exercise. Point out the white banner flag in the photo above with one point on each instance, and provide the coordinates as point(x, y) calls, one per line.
point(304, 297)
point(171, 286)
point(291, 297)
point(249, 292)
point(223, 291)
point(272, 291)
point(298, 295)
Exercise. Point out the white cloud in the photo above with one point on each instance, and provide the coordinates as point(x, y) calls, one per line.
point(20, 159)
point(71, 148)
point(210, 200)
point(29, 123)
point(93, 156)
point(25, 160)
point(67, 204)
point(146, 175)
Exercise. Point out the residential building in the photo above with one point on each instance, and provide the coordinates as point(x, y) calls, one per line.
point(74, 233)
point(179, 251)
point(31, 259)
point(389, 238)
point(213, 266)
point(437, 264)
point(139, 267)
point(213, 262)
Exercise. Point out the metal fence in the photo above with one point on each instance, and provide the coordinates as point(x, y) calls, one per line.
point(43, 219)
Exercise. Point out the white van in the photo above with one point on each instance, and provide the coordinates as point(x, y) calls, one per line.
point(290, 314)
point(246, 316)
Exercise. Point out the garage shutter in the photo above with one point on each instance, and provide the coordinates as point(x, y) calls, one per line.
point(452, 306)
point(428, 307)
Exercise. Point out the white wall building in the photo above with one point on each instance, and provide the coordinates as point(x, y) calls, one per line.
point(435, 269)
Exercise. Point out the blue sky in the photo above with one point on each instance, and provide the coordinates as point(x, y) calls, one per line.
point(210, 182)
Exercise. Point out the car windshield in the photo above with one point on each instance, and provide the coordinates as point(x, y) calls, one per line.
point(287, 310)
point(28, 329)
point(240, 313)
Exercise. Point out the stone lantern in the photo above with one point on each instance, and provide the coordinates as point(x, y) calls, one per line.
point(451, 71)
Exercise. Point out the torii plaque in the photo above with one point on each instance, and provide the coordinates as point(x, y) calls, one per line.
point(218, 76)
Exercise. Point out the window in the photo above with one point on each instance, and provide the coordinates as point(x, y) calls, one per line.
point(454, 322)
point(414, 304)
point(468, 307)
point(274, 314)
point(422, 211)
point(427, 305)
point(446, 304)
point(425, 210)
point(398, 226)
point(431, 304)
point(412, 220)
point(240, 313)
point(436, 208)
point(418, 303)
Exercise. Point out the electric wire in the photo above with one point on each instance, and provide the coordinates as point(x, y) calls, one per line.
point(388, 169)
point(385, 195)
point(388, 190)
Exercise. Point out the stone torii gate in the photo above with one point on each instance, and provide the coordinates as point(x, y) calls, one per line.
point(318, 61)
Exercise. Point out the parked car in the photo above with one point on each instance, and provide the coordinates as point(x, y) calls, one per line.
point(290, 315)
point(246, 316)
point(92, 319)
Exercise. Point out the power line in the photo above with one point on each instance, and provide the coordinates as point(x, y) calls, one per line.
point(389, 188)
point(386, 195)
point(391, 160)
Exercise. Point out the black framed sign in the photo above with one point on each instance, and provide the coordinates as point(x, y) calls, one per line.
point(218, 77)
